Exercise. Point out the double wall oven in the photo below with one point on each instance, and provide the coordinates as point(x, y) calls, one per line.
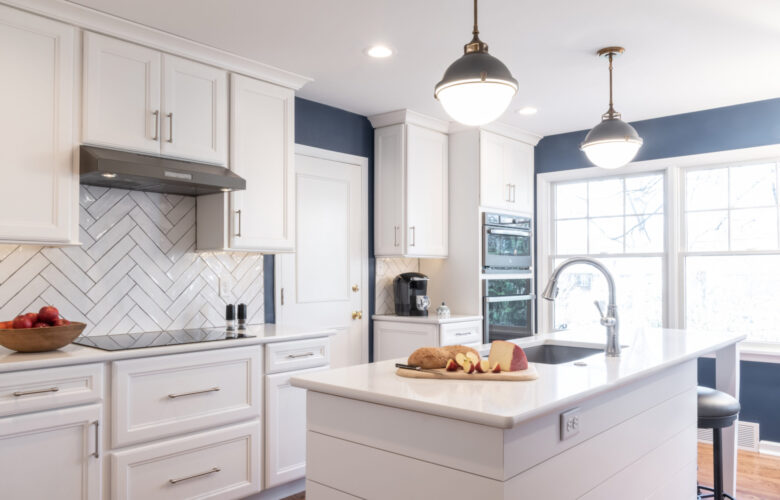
point(508, 291)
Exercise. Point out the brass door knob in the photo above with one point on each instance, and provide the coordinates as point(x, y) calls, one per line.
point(357, 314)
point(355, 288)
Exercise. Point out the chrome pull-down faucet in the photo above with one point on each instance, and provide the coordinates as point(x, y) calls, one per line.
point(608, 319)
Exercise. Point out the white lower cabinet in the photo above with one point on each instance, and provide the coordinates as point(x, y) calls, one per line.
point(398, 339)
point(222, 463)
point(51, 454)
point(285, 428)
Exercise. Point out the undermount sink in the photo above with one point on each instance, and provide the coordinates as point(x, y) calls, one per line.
point(553, 354)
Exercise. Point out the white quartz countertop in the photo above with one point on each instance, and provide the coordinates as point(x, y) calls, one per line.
point(75, 355)
point(431, 318)
point(507, 404)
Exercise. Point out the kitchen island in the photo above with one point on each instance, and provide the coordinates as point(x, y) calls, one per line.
point(597, 427)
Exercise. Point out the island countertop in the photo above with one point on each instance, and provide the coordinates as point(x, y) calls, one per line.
point(508, 404)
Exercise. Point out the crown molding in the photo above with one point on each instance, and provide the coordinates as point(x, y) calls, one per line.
point(106, 24)
point(411, 117)
point(500, 129)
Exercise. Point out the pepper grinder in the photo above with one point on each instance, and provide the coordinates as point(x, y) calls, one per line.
point(241, 317)
point(230, 321)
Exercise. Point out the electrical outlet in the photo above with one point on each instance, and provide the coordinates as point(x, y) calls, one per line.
point(226, 286)
point(570, 423)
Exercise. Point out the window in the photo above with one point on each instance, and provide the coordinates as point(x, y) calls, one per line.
point(732, 256)
point(620, 222)
point(689, 247)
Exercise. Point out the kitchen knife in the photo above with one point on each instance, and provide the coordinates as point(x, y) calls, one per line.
point(416, 368)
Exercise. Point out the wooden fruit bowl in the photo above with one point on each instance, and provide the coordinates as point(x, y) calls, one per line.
point(40, 339)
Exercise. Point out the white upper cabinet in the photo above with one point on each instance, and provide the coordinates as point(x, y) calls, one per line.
point(506, 173)
point(121, 94)
point(262, 217)
point(40, 200)
point(410, 186)
point(139, 99)
point(195, 111)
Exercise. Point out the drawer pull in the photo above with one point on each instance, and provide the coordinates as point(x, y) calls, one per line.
point(460, 334)
point(39, 391)
point(212, 471)
point(174, 396)
point(305, 355)
point(96, 454)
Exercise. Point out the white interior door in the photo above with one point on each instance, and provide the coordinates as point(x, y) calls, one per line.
point(325, 281)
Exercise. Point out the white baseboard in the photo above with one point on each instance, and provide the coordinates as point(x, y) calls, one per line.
point(769, 448)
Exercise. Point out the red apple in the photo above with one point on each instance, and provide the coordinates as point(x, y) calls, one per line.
point(468, 367)
point(48, 314)
point(40, 324)
point(483, 366)
point(33, 317)
point(22, 322)
point(451, 365)
point(496, 369)
point(59, 322)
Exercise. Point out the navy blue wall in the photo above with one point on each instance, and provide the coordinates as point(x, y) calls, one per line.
point(721, 129)
point(334, 129)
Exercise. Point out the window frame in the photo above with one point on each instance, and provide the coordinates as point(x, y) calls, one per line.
point(675, 246)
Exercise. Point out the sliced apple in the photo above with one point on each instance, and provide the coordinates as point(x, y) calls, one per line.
point(461, 359)
point(469, 367)
point(473, 357)
point(496, 368)
point(451, 365)
point(483, 366)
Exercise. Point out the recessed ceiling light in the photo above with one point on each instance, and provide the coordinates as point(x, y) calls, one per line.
point(527, 110)
point(379, 51)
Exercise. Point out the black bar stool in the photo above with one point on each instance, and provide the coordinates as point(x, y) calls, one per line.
point(716, 410)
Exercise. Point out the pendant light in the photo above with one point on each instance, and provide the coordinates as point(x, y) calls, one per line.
point(612, 143)
point(477, 88)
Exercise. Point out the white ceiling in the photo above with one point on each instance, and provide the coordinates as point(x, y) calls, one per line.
point(682, 55)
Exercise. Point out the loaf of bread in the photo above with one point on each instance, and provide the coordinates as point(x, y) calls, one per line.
point(436, 357)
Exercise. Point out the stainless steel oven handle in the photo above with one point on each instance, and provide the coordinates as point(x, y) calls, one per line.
point(509, 232)
point(510, 298)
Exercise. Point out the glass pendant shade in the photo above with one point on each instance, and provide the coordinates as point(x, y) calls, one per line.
point(476, 89)
point(611, 144)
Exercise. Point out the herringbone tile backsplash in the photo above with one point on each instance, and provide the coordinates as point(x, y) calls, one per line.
point(135, 271)
point(386, 270)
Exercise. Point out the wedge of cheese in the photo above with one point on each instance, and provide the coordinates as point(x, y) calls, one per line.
point(510, 357)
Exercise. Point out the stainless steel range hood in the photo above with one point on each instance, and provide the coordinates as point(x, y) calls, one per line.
point(140, 172)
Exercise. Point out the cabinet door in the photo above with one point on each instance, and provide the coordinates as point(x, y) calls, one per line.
point(40, 199)
point(195, 111)
point(52, 454)
point(261, 151)
point(519, 174)
point(494, 188)
point(426, 192)
point(389, 158)
point(285, 428)
point(394, 339)
point(121, 94)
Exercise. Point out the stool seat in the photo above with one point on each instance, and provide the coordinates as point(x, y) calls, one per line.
point(716, 409)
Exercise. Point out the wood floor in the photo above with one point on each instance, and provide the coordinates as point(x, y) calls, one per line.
point(758, 475)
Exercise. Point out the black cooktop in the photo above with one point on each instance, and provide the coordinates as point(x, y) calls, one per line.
point(125, 341)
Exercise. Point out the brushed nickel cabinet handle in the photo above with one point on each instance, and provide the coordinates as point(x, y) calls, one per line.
point(39, 391)
point(414, 236)
point(238, 233)
point(174, 396)
point(460, 334)
point(514, 193)
point(200, 474)
point(156, 125)
point(170, 127)
point(305, 355)
point(96, 453)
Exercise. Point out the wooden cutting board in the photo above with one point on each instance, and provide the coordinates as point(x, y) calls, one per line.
point(441, 373)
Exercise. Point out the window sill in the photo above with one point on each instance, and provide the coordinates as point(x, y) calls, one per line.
point(758, 352)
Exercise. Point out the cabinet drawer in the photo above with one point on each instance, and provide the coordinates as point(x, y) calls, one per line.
point(468, 332)
point(223, 463)
point(167, 395)
point(297, 355)
point(35, 390)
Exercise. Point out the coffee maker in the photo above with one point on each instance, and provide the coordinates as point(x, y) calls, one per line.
point(411, 294)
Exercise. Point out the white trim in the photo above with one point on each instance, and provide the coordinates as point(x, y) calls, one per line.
point(402, 116)
point(362, 162)
point(100, 22)
point(769, 448)
point(500, 129)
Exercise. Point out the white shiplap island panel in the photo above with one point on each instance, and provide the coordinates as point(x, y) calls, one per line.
point(373, 434)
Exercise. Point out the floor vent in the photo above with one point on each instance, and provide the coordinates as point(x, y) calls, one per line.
point(747, 435)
